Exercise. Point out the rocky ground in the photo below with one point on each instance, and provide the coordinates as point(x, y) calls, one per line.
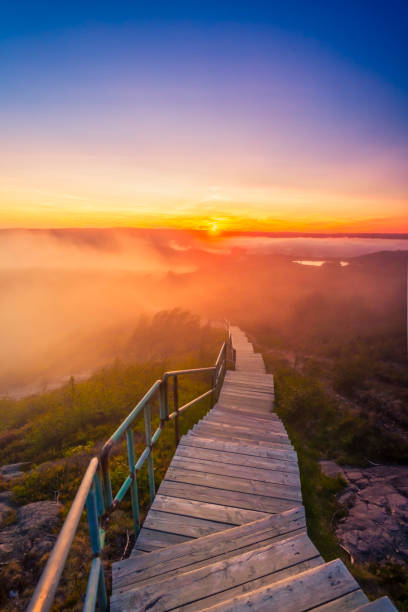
point(27, 534)
point(375, 528)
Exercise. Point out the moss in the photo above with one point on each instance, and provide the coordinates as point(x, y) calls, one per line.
point(9, 518)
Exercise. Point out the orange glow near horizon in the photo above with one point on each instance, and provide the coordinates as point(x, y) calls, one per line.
point(38, 200)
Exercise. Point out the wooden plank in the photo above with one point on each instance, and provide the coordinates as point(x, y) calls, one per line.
point(346, 603)
point(251, 383)
point(182, 525)
point(244, 423)
point(218, 577)
point(149, 539)
point(213, 432)
point(246, 406)
point(259, 417)
point(258, 583)
point(250, 378)
point(248, 394)
point(238, 417)
point(245, 390)
point(252, 375)
point(229, 542)
point(225, 469)
point(265, 416)
point(229, 483)
point(236, 499)
point(379, 605)
point(233, 399)
point(236, 459)
point(271, 452)
point(247, 431)
point(238, 438)
point(247, 410)
point(240, 429)
point(259, 386)
point(127, 583)
point(211, 512)
point(296, 594)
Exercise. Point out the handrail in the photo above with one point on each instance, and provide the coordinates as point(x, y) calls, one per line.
point(95, 490)
point(44, 593)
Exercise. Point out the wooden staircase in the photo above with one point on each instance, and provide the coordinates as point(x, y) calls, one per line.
point(227, 529)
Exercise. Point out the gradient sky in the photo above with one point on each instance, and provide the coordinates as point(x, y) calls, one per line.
point(283, 115)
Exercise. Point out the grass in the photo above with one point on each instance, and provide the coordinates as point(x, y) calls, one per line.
point(320, 429)
point(60, 431)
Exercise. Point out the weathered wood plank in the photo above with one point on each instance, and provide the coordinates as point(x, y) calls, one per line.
point(271, 452)
point(296, 594)
point(229, 542)
point(251, 585)
point(258, 417)
point(246, 406)
point(243, 424)
point(189, 565)
point(236, 459)
point(347, 603)
point(236, 499)
point(380, 605)
point(262, 417)
point(236, 420)
point(213, 467)
point(232, 430)
point(182, 525)
point(218, 577)
point(211, 512)
point(213, 432)
point(230, 483)
point(151, 539)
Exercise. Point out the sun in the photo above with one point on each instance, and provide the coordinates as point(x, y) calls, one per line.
point(214, 227)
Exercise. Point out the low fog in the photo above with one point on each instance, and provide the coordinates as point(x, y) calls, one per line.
point(70, 299)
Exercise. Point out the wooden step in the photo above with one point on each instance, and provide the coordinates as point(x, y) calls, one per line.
point(276, 441)
point(176, 473)
point(237, 459)
point(226, 497)
point(259, 417)
point(218, 581)
point(306, 591)
point(231, 430)
point(238, 471)
point(202, 551)
point(379, 605)
point(218, 420)
point(243, 448)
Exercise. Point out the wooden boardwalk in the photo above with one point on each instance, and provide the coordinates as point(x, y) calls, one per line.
point(227, 528)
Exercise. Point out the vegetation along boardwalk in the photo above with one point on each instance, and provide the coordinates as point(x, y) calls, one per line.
point(226, 530)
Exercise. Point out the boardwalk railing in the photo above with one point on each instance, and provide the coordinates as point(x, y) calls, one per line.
point(95, 490)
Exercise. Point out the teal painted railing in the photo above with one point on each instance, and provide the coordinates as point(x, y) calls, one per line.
point(95, 491)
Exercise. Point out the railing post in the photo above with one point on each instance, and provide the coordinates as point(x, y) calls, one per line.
point(95, 535)
point(150, 467)
point(133, 488)
point(163, 401)
point(214, 384)
point(176, 407)
point(107, 485)
point(102, 595)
